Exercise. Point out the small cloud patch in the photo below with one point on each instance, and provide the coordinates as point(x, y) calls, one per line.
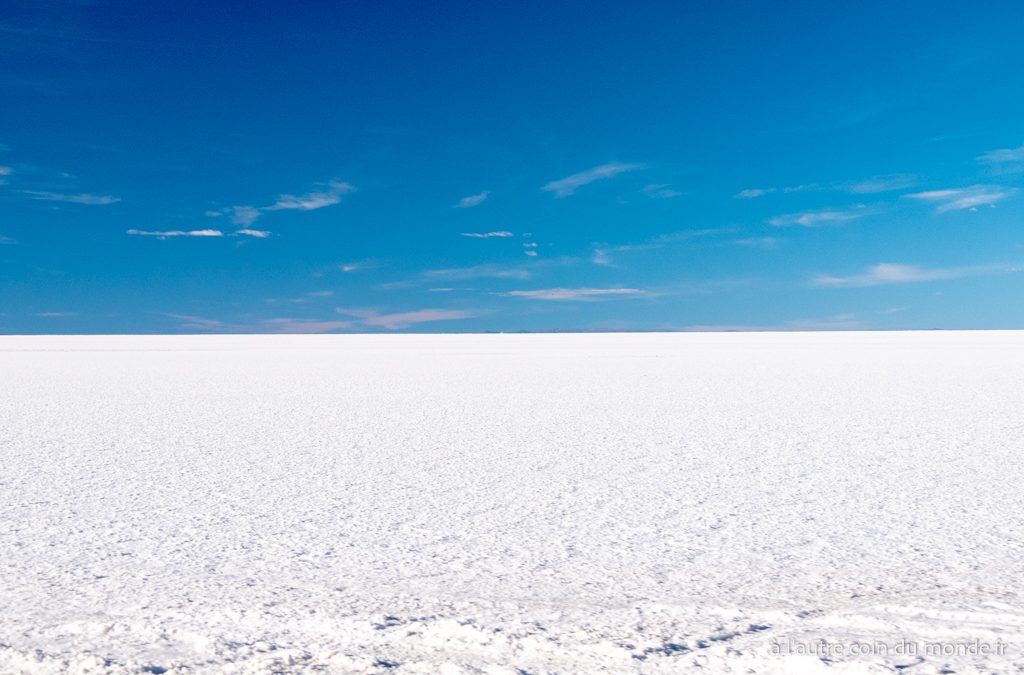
point(568, 185)
point(969, 198)
point(584, 294)
point(166, 234)
point(473, 200)
point(86, 199)
point(487, 235)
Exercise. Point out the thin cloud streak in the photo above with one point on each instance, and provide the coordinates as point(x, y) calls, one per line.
point(873, 185)
point(894, 273)
point(313, 200)
point(759, 242)
point(357, 265)
point(752, 193)
point(815, 218)
point(877, 184)
point(478, 272)
point(365, 318)
point(970, 198)
point(837, 322)
point(568, 185)
point(199, 322)
point(473, 200)
point(487, 235)
point(603, 253)
point(1003, 155)
point(661, 191)
point(86, 199)
point(305, 326)
point(302, 299)
point(581, 294)
point(400, 320)
point(246, 215)
point(176, 233)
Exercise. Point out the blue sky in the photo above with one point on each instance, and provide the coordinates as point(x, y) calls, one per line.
point(361, 167)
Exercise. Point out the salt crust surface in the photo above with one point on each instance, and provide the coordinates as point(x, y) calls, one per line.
point(511, 503)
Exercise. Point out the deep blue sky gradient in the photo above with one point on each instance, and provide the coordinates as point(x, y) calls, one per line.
point(730, 165)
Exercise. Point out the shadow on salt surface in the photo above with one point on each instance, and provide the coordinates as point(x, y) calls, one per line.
point(663, 639)
point(468, 637)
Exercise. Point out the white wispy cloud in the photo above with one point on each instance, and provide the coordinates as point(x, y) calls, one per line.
point(877, 184)
point(290, 325)
point(1003, 155)
point(487, 235)
point(6, 171)
point(687, 235)
point(751, 193)
point(165, 234)
point(815, 218)
point(56, 315)
point(358, 312)
point(473, 200)
point(176, 233)
point(575, 293)
point(259, 234)
point(358, 265)
point(604, 254)
point(400, 285)
point(661, 191)
point(244, 215)
point(568, 185)
point(893, 273)
point(363, 319)
point(405, 319)
point(873, 185)
point(478, 272)
point(806, 187)
point(189, 321)
point(845, 321)
point(530, 249)
point(728, 328)
point(958, 199)
point(7, 241)
point(87, 199)
point(759, 242)
point(332, 194)
point(302, 299)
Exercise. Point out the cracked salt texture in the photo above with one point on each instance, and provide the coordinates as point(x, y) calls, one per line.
point(512, 503)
